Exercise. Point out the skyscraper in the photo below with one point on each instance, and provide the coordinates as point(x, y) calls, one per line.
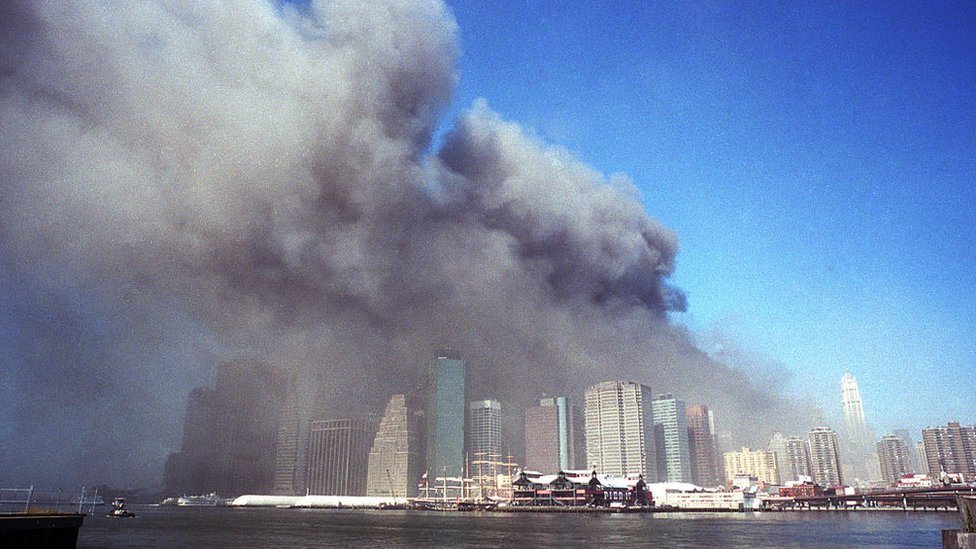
point(951, 448)
point(758, 463)
point(860, 458)
point(671, 439)
point(229, 433)
point(554, 437)
point(484, 439)
point(913, 461)
point(337, 457)
point(853, 408)
point(893, 454)
point(825, 457)
point(445, 415)
point(777, 445)
point(797, 459)
point(701, 446)
point(395, 459)
point(620, 429)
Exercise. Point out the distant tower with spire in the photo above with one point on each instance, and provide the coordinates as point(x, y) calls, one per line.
point(858, 445)
point(853, 408)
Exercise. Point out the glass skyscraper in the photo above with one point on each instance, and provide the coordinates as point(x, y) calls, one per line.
point(445, 416)
point(671, 439)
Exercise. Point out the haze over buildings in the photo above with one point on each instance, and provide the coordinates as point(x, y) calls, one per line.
point(189, 182)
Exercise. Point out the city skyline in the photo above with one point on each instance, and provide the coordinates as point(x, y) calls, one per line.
point(246, 437)
point(333, 190)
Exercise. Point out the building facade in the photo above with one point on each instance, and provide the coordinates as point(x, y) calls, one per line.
point(484, 434)
point(445, 416)
point(895, 458)
point(620, 429)
point(860, 458)
point(395, 461)
point(554, 436)
point(671, 439)
point(797, 460)
point(758, 463)
point(701, 446)
point(825, 457)
point(951, 449)
point(338, 454)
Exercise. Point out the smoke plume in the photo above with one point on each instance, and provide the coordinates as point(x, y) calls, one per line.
point(186, 181)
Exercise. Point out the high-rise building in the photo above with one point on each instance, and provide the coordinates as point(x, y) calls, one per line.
point(777, 445)
point(671, 439)
point(229, 433)
point(758, 463)
point(853, 407)
point(701, 446)
point(923, 466)
point(395, 460)
point(825, 457)
point(797, 459)
point(860, 459)
point(893, 454)
point(484, 439)
point(445, 415)
point(913, 462)
point(554, 436)
point(620, 429)
point(951, 449)
point(291, 441)
point(338, 451)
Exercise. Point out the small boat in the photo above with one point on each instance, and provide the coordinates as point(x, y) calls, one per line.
point(119, 510)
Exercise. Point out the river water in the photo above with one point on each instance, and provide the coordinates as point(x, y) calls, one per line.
point(260, 528)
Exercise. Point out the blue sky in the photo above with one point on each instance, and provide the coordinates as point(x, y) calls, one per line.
point(817, 160)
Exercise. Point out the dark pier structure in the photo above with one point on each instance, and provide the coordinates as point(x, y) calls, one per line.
point(54, 531)
point(941, 498)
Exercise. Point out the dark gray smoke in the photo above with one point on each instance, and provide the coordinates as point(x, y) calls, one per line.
point(186, 181)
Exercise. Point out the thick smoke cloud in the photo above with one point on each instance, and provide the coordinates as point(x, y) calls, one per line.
point(183, 181)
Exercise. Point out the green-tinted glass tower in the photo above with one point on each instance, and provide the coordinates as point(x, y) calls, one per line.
point(445, 416)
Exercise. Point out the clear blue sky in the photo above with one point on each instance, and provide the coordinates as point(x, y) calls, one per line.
point(817, 160)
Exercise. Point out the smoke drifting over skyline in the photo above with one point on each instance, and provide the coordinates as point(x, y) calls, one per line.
point(183, 182)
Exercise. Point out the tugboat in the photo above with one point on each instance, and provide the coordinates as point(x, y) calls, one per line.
point(119, 510)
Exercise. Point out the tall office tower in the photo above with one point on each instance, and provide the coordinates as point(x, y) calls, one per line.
point(338, 450)
point(825, 457)
point(797, 459)
point(553, 438)
point(445, 415)
point(860, 455)
point(513, 435)
point(923, 466)
point(395, 460)
point(701, 446)
point(951, 448)
point(906, 436)
point(291, 442)
point(620, 429)
point(758, 463)
point(484, 439)
point(853, 408)
point(229, 433)
point(777, 445)
point(671, 439)
point(893, 454)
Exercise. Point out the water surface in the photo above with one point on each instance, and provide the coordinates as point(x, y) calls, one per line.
point(245, 528)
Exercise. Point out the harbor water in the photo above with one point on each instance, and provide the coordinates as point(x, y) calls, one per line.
point(364, 529)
